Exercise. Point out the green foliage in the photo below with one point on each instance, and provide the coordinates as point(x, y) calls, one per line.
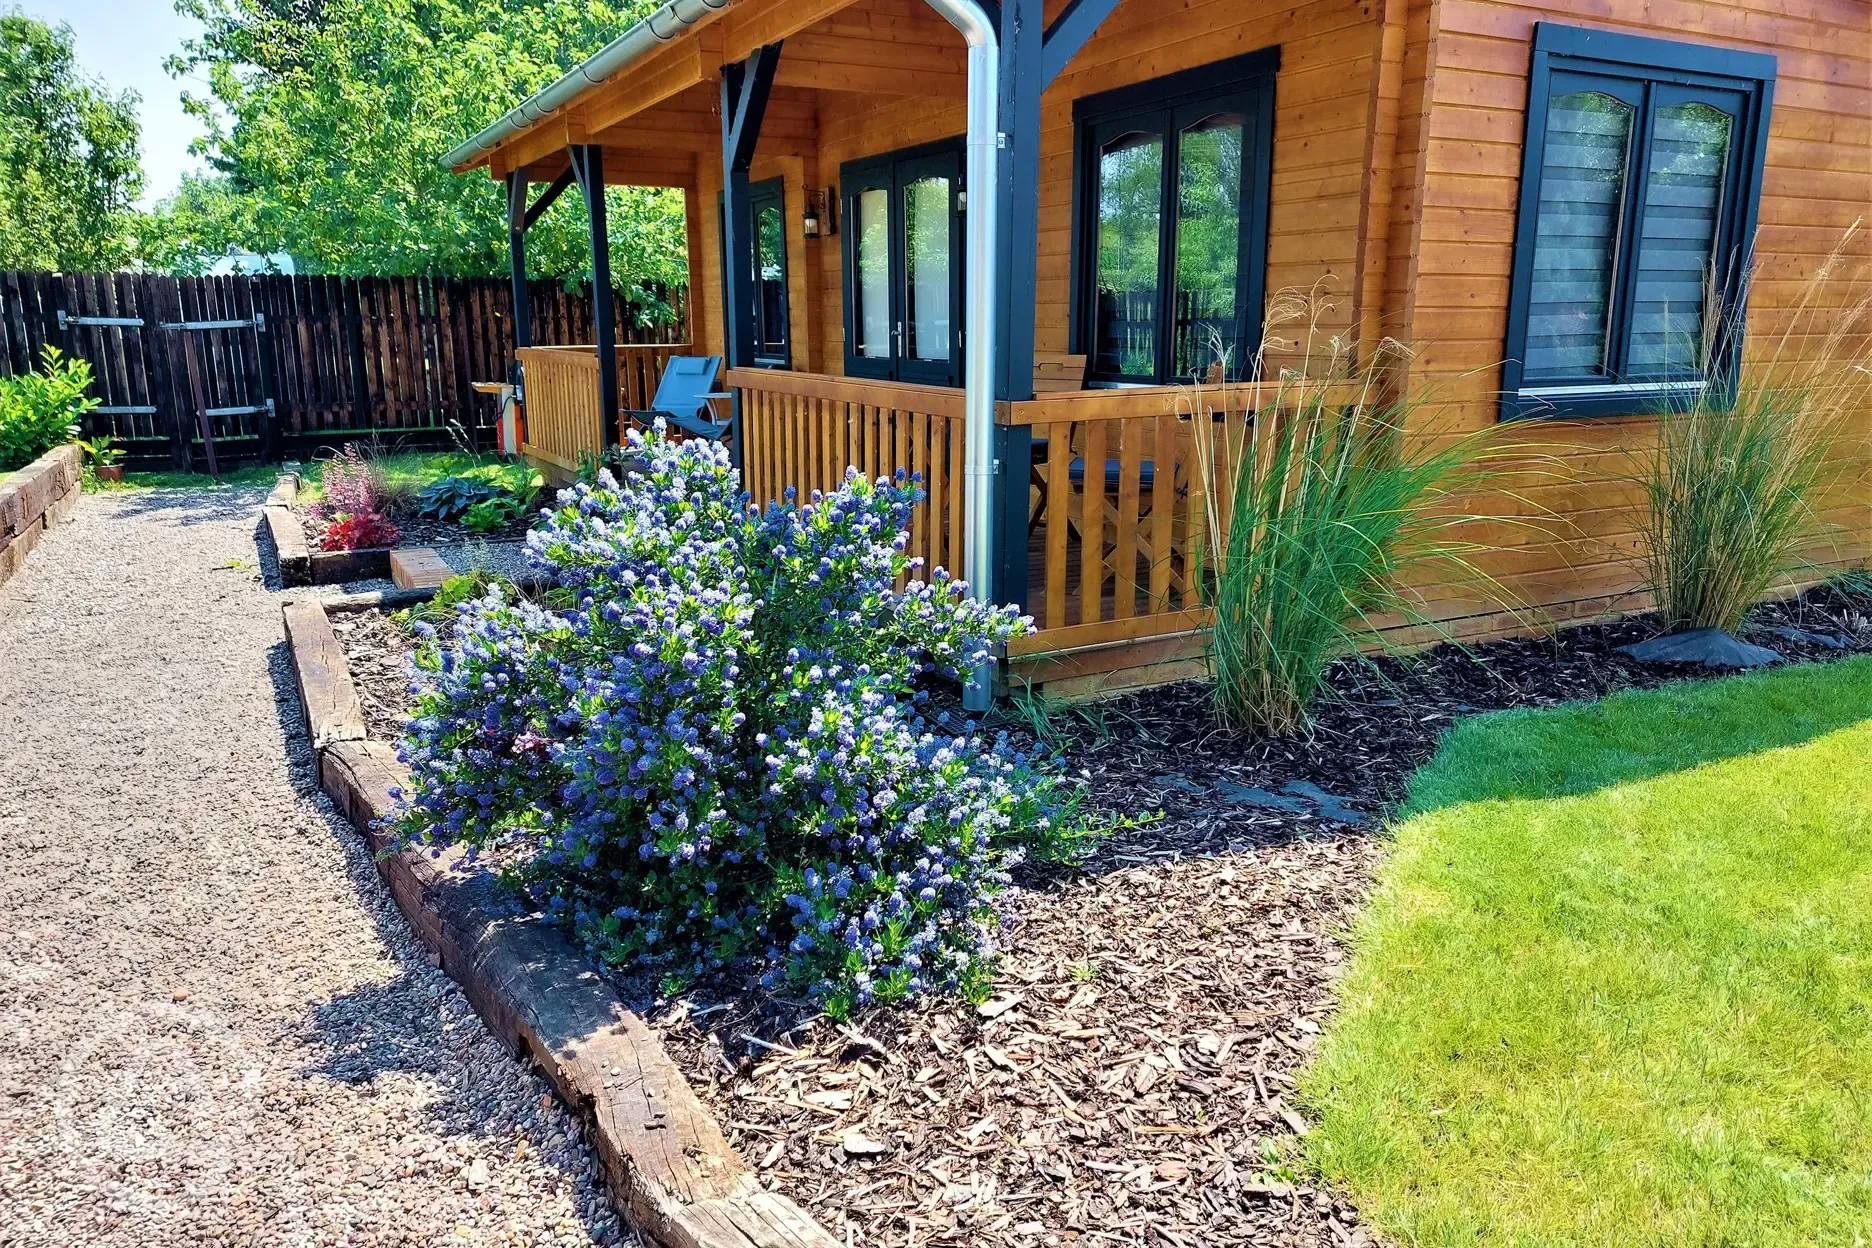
point(484, 498)
point(1735, 491)
point(101, 451)
point(1333, 509)
point(1613, 987)
point(40, 410)
point(341, 111)
point(69, 151)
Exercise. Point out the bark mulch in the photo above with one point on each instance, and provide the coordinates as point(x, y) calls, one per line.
point(1130, 1082)
point(378, 649)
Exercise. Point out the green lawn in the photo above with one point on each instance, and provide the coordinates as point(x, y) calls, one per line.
point(409, 472)
point(1616, 984)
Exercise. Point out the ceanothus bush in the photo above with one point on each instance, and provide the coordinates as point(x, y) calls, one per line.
point(711, 745)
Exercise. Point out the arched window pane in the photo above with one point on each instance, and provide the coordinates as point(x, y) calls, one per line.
point(1130, 195)
point(1677, 239)
point(1208, 244)
point(1583, 169)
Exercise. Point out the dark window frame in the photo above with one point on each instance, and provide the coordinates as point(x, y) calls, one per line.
point(769, 191)
point(1246, 79)
point(865, 172)
point(1584, 55)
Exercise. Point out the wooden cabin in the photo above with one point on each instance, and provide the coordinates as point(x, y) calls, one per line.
point(1525, 194)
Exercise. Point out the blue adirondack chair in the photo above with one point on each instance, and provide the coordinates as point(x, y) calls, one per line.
point(682, 398)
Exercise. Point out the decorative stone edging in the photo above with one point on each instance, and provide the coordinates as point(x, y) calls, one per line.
point(32, 500)
point(671, 1170)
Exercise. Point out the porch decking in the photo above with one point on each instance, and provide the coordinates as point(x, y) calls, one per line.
point(1112, 573)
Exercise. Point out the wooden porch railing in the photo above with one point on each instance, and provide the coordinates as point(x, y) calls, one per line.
point(1120, 554)
point(562, 409)
point(802, 430)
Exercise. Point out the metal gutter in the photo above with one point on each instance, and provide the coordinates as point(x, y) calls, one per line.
point(663, 26)
point(981, 311)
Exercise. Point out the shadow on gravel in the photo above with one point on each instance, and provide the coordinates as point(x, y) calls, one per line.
point(189, 506)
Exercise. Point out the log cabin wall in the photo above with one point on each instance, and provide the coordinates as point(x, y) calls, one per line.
point(1452, 269)
point(1323, 100)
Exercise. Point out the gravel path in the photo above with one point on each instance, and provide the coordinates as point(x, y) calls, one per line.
point(215, 1028)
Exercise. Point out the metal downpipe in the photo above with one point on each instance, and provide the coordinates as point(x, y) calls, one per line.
point(981, 309)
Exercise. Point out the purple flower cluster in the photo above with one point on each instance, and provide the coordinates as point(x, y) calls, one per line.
point(712, 743)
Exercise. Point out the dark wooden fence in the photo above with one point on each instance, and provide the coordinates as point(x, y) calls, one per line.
point(293, 363)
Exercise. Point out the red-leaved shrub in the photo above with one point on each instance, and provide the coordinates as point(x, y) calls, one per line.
point(361, 532)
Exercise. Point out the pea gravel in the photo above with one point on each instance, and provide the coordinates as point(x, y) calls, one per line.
point(215, 1027)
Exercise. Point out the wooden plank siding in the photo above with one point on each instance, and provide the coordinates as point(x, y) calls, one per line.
point(1471, 58)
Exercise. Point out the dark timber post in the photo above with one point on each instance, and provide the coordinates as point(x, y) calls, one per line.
point(1022, 34)
point(516, 251)
point(745, 88)
point(588, 167)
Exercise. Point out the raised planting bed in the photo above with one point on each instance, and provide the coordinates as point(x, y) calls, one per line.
point(32, 500)
point(1132, 1074)
point(669, 1166)
point(424, 546)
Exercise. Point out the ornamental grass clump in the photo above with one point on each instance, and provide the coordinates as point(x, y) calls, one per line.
point(711, 747)
point(1736, 490)
point(1332, 509)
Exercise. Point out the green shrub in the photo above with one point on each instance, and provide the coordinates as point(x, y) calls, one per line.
point(40, 410)
point(1736, 487)
point(1333, 507)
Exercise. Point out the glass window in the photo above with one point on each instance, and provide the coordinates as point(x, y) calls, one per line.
point(1582, 194)
point(1677, 239)
point(1638, 197)
point(1172, 222)
point(903, 266)
point(770, 284)
point(1208, 244)
point(1130, 234)
point(872, 290)
point(927, 255)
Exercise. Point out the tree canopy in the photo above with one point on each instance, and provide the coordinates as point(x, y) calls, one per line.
point(68, 148)
point(327, 119)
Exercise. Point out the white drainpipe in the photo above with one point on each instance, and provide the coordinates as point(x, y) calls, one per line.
point(980, 314)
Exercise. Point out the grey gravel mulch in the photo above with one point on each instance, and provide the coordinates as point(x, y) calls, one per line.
point(215, 1027)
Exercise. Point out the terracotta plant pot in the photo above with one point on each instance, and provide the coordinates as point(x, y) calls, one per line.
point(110, 472)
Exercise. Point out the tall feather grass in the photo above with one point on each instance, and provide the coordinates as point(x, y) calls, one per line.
point(1735, 489)
point(1333, 508)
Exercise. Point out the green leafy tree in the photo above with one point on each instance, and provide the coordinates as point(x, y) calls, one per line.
point(327, 119)
point(68, 152)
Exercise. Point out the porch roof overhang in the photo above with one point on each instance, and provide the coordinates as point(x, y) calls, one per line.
point(674, 59)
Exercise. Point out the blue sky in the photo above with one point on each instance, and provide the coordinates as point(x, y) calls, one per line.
point(124, 42)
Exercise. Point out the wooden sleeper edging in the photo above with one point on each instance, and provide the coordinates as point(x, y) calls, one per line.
point(671, 1170)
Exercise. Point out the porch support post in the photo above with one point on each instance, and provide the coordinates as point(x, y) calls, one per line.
point(1023, 26)
point(588, 168)
point(516, 255)
point(745, 90)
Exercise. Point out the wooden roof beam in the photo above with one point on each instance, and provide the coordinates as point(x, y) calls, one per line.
point(756, 23)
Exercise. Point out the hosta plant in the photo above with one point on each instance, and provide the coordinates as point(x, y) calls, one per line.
point(712, 745)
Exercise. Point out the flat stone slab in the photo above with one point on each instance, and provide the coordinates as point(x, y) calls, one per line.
point(418, 567)
point(1703, 647)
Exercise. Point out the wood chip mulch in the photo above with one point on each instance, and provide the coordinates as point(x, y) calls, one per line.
point(378, 650)
point(1131, 1080)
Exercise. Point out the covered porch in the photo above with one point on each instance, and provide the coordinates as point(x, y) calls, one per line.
point(907, 253)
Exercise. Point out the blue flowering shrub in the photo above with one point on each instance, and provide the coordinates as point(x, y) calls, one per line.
point(712, 746)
